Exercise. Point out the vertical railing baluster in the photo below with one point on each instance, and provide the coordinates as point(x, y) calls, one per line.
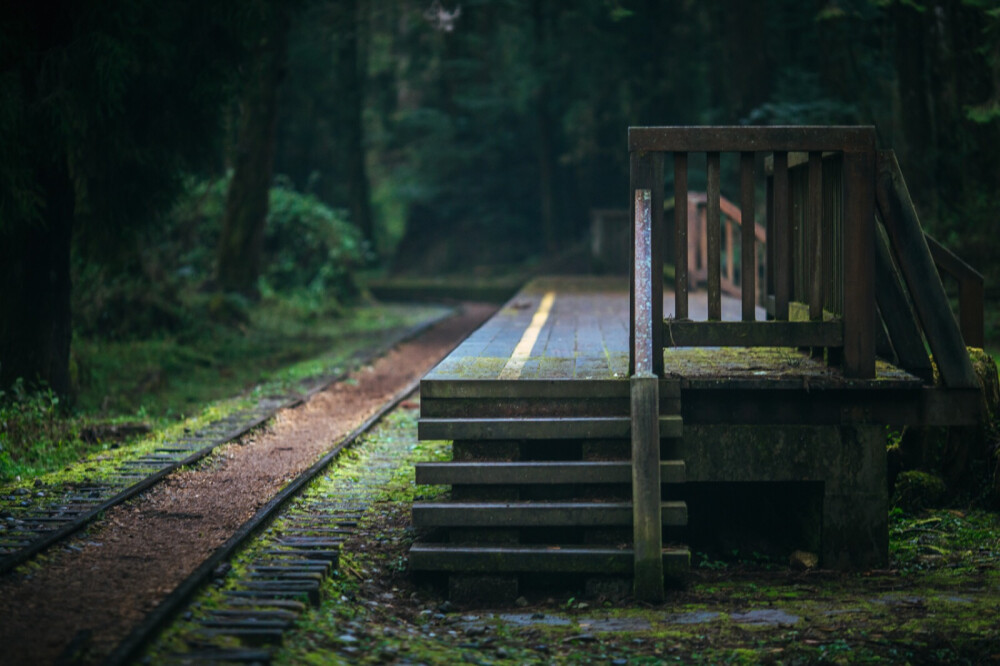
point(702, 226)
point(782, 245)
point(748, 247)
point(713, 231)
point(814, 221)
point(769, 238)
point(681, 236)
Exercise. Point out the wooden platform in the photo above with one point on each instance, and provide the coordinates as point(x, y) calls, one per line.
point(537, 403)
point(576, 364)
point(584, 336)
point(718, 406)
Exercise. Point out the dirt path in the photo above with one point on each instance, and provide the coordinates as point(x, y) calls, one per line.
point(128, 562)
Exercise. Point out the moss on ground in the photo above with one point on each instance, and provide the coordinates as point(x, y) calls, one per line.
point(937, 604)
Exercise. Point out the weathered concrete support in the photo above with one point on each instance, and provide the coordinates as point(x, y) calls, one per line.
point(849, 460)
point(647, 523)
point(856, 502)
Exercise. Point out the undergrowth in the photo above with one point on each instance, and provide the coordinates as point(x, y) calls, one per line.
point(163, 380)
point(35, 432)
point(155, 342)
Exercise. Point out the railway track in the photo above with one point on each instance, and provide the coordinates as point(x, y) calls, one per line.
point(40, 518)
point(261, 598)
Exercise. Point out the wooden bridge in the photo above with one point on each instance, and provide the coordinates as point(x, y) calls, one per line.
point(610, 248)
point(588, 411)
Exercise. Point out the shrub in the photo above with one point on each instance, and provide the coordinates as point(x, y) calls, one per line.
point(31, 429)
point(309, 246)
point(916, 490)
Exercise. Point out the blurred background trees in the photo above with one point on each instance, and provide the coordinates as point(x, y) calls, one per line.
point(464, 136)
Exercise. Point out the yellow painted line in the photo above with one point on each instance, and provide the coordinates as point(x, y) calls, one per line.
point(512, 370)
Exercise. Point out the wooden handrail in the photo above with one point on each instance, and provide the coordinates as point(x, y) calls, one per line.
point(970, 290)
point(737, 139)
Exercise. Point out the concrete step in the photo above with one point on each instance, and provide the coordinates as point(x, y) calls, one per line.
point(539, 473)
point(537, 514)
point(462, 558)
point(602, 427)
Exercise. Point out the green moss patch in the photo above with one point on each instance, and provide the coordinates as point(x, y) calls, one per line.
point(171, 384)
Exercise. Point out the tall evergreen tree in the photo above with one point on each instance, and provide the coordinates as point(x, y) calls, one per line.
point(103, 104)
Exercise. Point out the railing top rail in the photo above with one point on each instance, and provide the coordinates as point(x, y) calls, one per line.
point(752, 138)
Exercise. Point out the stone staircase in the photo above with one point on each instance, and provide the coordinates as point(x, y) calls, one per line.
point(540, 487)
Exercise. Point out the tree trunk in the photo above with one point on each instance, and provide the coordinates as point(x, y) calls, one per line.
point(543, 121)
point(351, 81)
point(35, 327)
point(917, 149)
point(241, 242)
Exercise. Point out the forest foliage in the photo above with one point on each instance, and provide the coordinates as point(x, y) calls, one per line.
point(424, 136)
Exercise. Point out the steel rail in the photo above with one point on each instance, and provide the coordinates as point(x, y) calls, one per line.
point(173, 603)
point(89, 515)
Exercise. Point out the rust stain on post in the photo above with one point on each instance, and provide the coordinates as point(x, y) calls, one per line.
point(642, 294)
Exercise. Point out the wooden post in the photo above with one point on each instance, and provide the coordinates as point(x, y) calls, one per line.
point(970, 311)
point(644, 320)
point(859, 263)
point(647, 529)
point(647, 174)
point(970, 291)
point(645, 385)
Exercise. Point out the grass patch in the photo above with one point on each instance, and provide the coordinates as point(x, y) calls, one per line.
point(169, 378)
point(943, 539)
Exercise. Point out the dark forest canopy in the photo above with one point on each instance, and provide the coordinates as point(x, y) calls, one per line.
point(452, 134)
point(504, 121)
point(104, 106)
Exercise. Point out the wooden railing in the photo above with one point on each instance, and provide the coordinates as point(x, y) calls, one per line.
point(970, 291)
point(911, 297)
point(731, 219)
point(820, 246)
point(609, 243)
